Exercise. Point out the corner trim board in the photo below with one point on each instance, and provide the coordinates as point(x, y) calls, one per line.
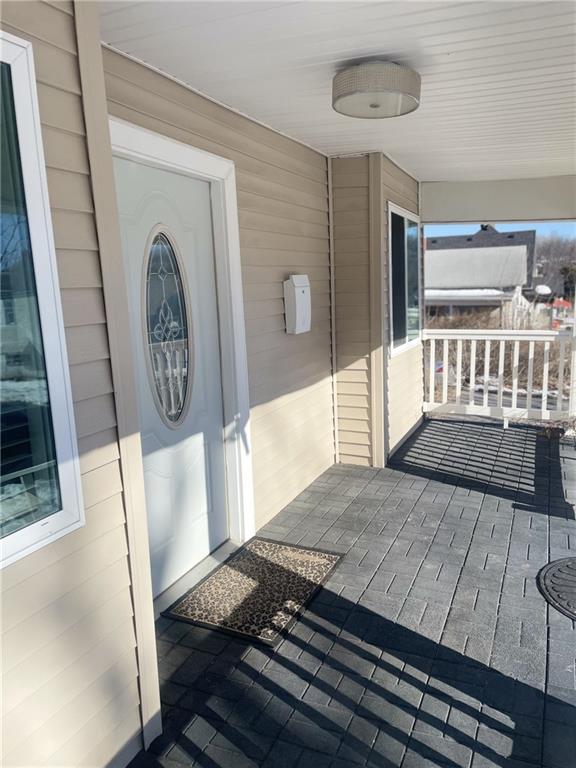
point(120, 344)
point(333, 346)
point(377, 383)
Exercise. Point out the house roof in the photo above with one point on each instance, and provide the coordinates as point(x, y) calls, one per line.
point(486, 258)
point(485, 237)
point(498, 78)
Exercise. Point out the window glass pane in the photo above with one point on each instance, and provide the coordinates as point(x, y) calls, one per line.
point(167, 328)
point(412, 281)
point(29, 486)
point(398, 280)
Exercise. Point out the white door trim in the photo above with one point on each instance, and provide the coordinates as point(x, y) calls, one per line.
point(135, 143)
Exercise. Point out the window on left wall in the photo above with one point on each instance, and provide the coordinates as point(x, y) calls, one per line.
point(40, 490)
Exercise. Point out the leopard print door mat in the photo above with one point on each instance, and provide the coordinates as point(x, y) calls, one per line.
point(258, 591)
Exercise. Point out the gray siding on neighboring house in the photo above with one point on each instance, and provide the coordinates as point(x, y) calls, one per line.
point(283, 212)
point(69, 685)
point(486, 258)
point(501, 267)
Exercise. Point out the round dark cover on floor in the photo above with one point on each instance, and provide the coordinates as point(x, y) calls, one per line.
point(557, 582)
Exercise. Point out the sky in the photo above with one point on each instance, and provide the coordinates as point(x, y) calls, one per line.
point(543, 228)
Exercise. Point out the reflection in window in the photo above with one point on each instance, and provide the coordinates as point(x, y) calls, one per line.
point(29, 486)
point(412, 281)
point(404, 279)
point(167, 329)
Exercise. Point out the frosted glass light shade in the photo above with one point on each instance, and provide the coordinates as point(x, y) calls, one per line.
point(376, 89)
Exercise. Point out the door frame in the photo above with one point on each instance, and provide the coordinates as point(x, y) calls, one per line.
point(132, 142)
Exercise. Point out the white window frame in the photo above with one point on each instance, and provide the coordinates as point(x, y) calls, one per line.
point(19, 55)
point(406, 214)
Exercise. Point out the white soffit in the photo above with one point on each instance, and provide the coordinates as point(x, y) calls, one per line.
point(498, 78)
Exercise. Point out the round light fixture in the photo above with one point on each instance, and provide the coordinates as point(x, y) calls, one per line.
point(376, 89)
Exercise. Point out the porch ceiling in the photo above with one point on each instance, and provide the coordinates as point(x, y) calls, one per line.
point(498, 77)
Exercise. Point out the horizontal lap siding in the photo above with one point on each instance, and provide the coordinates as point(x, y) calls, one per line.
point(405, 393)
point(67, 619)
point(354, 340)
point(283, 216)
point(350, 179)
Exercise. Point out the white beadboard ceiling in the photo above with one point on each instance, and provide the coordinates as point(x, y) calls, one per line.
point(498, 78)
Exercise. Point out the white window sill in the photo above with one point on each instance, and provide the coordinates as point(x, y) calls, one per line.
point(395, 351)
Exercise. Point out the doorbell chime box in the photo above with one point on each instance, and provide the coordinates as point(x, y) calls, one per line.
point(297, 304)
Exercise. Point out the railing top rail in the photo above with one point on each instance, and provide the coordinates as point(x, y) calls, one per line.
point(495, 335)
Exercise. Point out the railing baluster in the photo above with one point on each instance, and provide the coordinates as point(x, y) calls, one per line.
point(501, 373)
point(545, 376)
point(515, 358)
point(515, 350)
point(561, 353)
point(486, 371)
point(459, 371)
point(530, 379)
point(445, 366)
point(432, 382)
point(472, 371)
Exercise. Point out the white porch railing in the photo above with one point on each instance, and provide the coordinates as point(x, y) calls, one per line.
point(502, 374)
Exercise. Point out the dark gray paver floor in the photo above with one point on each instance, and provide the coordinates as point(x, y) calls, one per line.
point(430, 645)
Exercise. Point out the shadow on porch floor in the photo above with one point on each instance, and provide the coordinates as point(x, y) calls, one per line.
point(430, 645)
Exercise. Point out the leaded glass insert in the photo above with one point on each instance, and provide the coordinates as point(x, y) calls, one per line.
point(167, 329)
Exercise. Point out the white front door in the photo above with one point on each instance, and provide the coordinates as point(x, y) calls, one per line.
point(166, 223)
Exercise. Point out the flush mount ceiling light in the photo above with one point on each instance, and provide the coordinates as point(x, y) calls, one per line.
point(376, 89)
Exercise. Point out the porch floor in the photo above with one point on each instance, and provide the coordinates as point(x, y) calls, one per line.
point(430, 645)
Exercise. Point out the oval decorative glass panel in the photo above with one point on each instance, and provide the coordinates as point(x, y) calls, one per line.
point(167, 329)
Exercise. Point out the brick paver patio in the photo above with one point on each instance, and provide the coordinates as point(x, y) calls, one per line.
point(430, 645)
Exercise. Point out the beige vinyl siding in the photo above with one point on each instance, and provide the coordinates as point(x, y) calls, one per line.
point(283, 215)
point(68, 659)
point(362, 188)
point(405, 394)
point(405, 376)
point(351, 208)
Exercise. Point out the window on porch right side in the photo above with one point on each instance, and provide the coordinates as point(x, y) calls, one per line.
point(404, 280)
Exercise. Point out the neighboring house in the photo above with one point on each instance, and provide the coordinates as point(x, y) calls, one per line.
point(177, 415)
point(483, 271)
point(553, 256)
